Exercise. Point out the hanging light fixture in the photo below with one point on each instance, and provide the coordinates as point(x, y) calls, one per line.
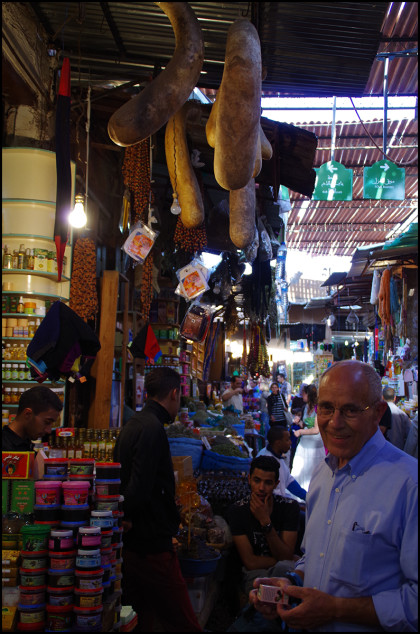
point(77, 217)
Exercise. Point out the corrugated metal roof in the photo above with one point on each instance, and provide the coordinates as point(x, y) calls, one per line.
point(339, 227)
point(308, 48)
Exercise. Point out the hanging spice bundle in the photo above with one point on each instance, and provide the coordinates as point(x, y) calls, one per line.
point(190, 240)
point(83, 294)
point(258, 354)
point(136, 173)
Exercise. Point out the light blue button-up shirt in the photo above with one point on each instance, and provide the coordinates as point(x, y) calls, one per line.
point(361, 534)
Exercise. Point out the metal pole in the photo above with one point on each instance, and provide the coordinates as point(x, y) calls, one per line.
point(385, 130)
point(333, 128)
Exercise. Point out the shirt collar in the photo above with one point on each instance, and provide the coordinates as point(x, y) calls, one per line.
point(359, 463)
point(277, 455)
point(160, 411)
point(20, 444)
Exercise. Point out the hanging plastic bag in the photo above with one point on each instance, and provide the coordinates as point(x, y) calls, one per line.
point(193, 279)
point(376, 283)
point(196, 322)
point(140, 242)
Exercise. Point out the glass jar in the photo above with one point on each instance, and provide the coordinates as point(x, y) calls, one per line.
point(8, 352)
point(22, 372)
point(8, 372)
point(31, 329)
point(15, 373)
point(22, 352)
point(8, 395)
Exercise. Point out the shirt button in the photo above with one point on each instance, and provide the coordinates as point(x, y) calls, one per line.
point(337, 490)
point(353, 477)
point(329, 522)
point(321, 554)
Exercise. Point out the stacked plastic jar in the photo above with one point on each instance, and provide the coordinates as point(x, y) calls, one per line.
point(60, 587)
point(89, 589)
point(33, 572)
point(108, 498)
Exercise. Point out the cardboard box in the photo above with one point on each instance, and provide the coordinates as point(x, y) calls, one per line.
point(184, 466)
point(8, 618)
point(23, 496)
point(41, 260)
point(17, 465)
point(4, 496)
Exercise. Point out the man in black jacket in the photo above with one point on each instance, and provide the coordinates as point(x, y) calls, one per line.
point(38, 409)
point(152, 580)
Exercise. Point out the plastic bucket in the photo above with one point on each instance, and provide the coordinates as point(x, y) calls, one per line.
point(48, 492)
point(35, 539)
point(75, 493)
point(81, 466)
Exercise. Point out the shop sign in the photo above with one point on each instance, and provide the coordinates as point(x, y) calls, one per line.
point(333, 182)
point(384, 181)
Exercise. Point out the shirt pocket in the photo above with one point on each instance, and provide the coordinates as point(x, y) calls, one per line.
point(354, 556)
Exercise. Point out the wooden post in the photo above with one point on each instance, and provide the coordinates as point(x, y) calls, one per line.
point(99, 412)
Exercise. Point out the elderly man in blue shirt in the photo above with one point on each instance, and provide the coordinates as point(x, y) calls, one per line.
point(359, 570)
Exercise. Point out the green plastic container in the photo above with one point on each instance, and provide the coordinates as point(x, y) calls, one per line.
point(35, 538)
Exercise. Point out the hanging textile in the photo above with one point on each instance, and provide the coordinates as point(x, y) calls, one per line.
point(384, 299)
point(63, 166)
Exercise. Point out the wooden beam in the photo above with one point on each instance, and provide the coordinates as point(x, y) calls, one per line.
point(99, 412)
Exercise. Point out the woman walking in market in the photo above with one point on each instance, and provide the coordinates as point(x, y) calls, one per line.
point(310, 450)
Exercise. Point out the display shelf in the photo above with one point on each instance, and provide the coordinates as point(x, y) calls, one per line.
point(14, 381)
point(20, 339)
point(36, 294)
point(44, 274)
point(31, 236)
point(19, 315)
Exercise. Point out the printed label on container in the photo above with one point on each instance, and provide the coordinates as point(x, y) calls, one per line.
point(104, 522)
point(85, 540)
point(64, 581)
point(55, 599)
point(60, 543)
point(32, 617)
point(88, 622)
point(88, 562)
point(90, 602)
point(90, 584)
point(62, 564)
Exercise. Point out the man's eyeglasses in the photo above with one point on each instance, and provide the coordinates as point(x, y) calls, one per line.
point(348, 412)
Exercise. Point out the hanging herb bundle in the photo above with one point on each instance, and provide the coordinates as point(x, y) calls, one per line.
point(136, 173)
point(231, 317)
point(83, 294)
point(190, 240)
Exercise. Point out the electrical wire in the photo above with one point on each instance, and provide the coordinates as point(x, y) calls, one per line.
point(374, 142)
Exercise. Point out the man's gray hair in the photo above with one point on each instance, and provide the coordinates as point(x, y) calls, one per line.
point(372, 377)
point(388, 393)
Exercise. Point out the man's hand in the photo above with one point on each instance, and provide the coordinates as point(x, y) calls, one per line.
point(238, 390)
point(268, 610)
point(261, 510)
point(316, 608)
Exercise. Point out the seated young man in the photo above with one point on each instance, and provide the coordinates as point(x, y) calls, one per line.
point(264, 525)
point(279, 442)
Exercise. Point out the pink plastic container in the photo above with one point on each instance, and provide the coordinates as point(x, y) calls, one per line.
point(48, 492)
point(75, 492)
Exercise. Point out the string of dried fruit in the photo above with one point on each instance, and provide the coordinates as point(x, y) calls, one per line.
point(136, 173)
point(83, 293)
point(146, 288)
point(190, 240)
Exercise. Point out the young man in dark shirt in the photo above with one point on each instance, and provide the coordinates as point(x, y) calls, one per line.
point(264, 526)
point(152, 580)
point(38, 409)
